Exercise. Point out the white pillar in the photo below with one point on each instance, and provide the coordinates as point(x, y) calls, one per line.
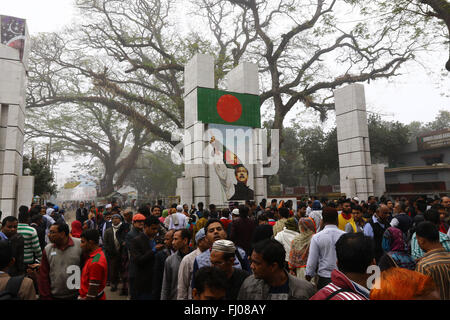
point(355, 165)
point(13, 82)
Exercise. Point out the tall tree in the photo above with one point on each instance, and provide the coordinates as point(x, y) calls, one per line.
point(92, 130)
point(133, 50)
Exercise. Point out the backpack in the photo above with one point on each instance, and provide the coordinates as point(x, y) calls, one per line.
point(12, 289)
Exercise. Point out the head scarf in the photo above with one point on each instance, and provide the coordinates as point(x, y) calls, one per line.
point(300, 245)
point(165, 213)
point(393, 240)
point(76, 229)
point(291, 224)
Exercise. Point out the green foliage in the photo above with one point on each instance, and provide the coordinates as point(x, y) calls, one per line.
point(386, 138)
point(43, 176)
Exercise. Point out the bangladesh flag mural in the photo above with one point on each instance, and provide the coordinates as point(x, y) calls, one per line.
point(222, 107)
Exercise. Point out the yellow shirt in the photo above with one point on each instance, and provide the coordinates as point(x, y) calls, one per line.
point(343, 222)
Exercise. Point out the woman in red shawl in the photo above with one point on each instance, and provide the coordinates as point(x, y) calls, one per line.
point(76, 229)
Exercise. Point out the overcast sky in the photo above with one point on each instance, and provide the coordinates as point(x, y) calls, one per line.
point(417, 95)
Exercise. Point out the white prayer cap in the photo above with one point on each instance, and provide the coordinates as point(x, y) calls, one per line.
point(226, 246)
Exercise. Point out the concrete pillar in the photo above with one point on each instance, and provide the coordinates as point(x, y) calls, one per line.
point(199, 183)
point(15, 190)
point(355, 165)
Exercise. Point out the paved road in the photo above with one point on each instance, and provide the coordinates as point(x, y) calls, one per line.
point(70, 217)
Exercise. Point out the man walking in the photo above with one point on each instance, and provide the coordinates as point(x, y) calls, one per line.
point(81, 213)
point(180, 244)
point(322, 252)
point(143, 249)
point(59, 261)
point(95, 270)
point(113, 245)
point(184, 290)
point(136, 229)
point(31, 249)
point(376, 227)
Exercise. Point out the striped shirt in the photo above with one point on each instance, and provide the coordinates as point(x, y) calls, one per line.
point(31, 249)
point(436, 264)
point(417, 252)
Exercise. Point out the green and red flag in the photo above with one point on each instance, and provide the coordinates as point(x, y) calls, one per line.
point(222, 107)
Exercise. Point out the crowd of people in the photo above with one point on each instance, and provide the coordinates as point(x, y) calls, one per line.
point(343, 249)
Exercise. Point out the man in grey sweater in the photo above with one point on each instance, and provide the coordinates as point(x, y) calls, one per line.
point(180, 243)
point(59, 274)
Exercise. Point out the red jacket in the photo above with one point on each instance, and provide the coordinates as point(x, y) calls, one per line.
point(340, 281)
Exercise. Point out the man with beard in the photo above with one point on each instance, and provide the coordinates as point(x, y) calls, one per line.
point(346, 215)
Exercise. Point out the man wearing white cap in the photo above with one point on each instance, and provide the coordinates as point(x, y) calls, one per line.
point(184, 290)
point(222, 257)
point(177, 220)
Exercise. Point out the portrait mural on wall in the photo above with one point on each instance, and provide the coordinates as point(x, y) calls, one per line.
point(232, 162)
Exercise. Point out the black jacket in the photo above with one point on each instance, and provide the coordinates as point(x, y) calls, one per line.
point(108, 240)
point(143, 258)
point(82, 215)
point(158, 272)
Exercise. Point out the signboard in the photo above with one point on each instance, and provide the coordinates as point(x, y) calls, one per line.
point(13, 33)
point(434, 140)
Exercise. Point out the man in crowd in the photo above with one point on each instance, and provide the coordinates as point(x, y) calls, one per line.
point(136, 229)
point(400, 218)
point(177, 220)
point(180, 244)
point(436, 261)
point(82, 213)
point(322, 251)
point(215, 231)
point(184, 290)
point(37, 222)
point(357, 225)
point(9, 232)
point(95, 270)
point(160, 260)
point(143, 249)
point(59, 261)
point(114, 246)
point(376, 227)
point(433, 217)
point(345, 216)
point(355, 253)
point(31, 249)
point(269, 280)
point(20, 286)
point(222, 257)
point(210, 284)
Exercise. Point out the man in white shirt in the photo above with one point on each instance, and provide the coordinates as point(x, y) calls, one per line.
point(177, 220)
point(322, 251)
